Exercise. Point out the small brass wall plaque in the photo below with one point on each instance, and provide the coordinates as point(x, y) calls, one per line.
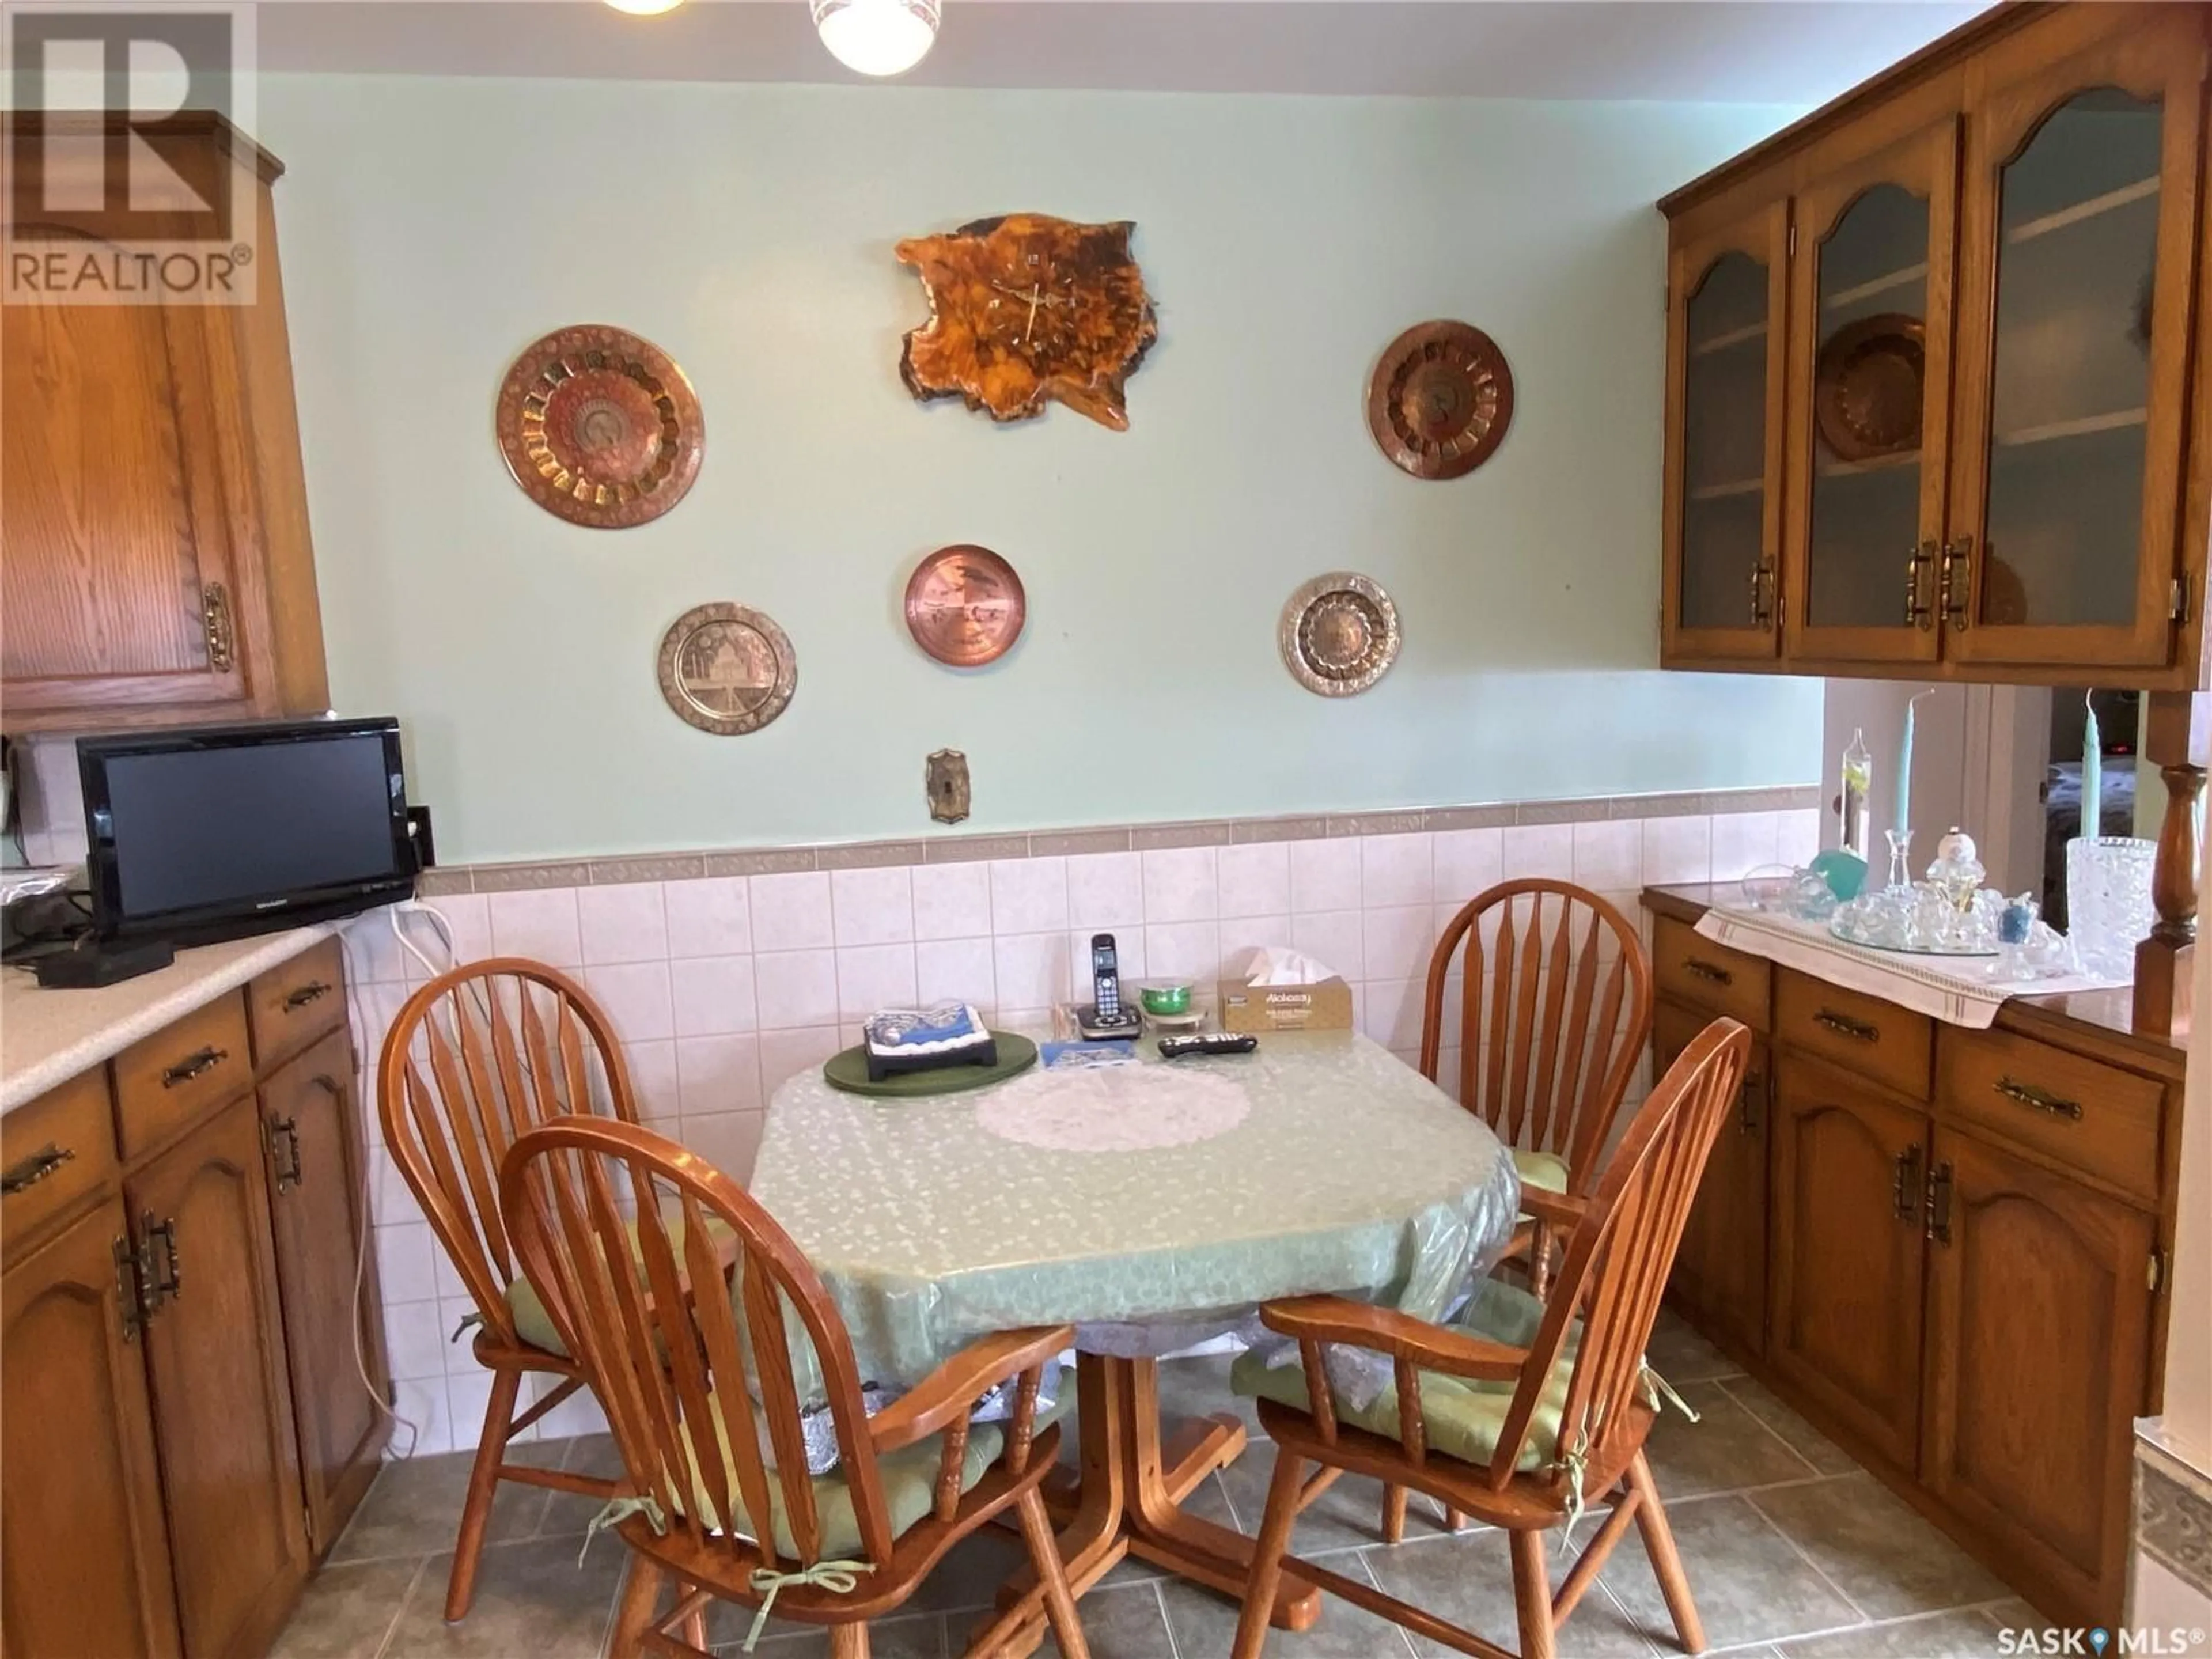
point(727, 669)
point(947, 780)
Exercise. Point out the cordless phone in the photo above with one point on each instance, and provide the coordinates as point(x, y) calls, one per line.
point(1105, 979)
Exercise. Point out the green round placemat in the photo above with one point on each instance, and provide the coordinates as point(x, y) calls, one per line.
point(849, 1072)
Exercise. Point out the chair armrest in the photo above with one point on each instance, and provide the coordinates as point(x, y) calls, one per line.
point(948, 1394)
point(1401, 1336)
point(1561, 1210)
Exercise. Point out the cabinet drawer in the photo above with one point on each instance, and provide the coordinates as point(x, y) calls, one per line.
point(55, 1149)
point(2096, 1118)
point(292, 1004)
point(1869, 1037)
point(1709, 976)
point(164, 1082)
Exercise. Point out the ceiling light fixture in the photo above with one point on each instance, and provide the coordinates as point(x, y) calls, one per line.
point(645, 8)
point(877, 37)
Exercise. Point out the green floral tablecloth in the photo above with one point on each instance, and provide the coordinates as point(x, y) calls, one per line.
point(1321, 1163)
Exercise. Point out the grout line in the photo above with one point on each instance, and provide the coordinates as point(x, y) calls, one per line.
point(392, 1625)
point(1807, 1559)
point(1405, 1637)
point(1160, 1601)
point(1744, 1405)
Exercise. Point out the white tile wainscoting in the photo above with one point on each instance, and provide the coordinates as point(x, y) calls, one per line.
point(723, 987)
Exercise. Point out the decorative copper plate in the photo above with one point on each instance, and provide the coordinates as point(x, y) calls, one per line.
point(1866, 387)
point(727, 669)
point(1440, 400)
point(1339, 634)
point(964, 606)
point(599, 427)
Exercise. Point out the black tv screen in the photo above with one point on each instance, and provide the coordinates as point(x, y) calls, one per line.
point(227, 830)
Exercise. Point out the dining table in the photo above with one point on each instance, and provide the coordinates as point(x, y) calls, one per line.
point(1153, 1205)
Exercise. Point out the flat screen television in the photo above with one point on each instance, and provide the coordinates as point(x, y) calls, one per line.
point(225, 831)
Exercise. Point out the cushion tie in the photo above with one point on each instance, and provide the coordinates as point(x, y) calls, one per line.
point(614, 1511)
point(838, 1578)
point(467, 1320)
point(1574, 1465)
point(1658, 1388)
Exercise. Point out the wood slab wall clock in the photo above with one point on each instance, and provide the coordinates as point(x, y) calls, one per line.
point(964, 606)
point(599, 427)
point(727, 669)
point(1025, 310)
point(1440, 400)
point(1339, 634)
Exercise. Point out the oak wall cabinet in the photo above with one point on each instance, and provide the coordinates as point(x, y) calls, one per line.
point(1934, 365)
point(186, 1426)
point(1960, 1238)
point(155, 560)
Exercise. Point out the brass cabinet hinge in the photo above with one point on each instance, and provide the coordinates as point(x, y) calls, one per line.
point(1937, 1200)
point(130, 1292)
point(2156, 1276)
point(1793, 240)
point(2177, 600)
point(214, 618)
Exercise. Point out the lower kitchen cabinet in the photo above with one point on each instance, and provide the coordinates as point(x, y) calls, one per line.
point(1720, 1269)
point(1845, 1322)
point(2040, 1306)
point(84, 1546)
point(310, 1122)
point(222, 1406)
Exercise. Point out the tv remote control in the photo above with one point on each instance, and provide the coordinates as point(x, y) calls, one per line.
point(1207, 1042)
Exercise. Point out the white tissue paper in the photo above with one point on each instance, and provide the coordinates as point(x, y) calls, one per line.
point(1274, 965)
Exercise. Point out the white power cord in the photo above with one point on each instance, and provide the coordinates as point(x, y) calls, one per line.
point(354, 980)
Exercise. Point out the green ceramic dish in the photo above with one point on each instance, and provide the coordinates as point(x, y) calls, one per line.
point(849, 1072)
point(1165, 996)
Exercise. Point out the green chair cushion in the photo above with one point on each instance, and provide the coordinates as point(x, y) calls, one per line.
point(527, 1309)
point(1545, 1170)
point(1461, 1417)
point(909, 1476)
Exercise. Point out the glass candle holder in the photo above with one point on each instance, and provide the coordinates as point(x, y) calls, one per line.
point(1900, 857)
point(2108, 906)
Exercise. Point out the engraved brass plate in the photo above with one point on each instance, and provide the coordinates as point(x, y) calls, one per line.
point(1340, 634)
point(600, 428)
point(965, 607)
point(727, 669)
point(1440, 400)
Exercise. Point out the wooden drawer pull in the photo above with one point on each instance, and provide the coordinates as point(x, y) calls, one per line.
point(313, 991)
point(1858, 1030)
point(1708, 970)
point(35, 1168)
point(2028, 1094)
point(193, 1066)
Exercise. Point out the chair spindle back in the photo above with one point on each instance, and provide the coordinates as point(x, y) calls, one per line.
point(474, 1058)
point(1555, 1009)
point(665, 1337)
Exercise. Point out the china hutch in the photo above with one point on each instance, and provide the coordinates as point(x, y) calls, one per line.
point(1931, 358)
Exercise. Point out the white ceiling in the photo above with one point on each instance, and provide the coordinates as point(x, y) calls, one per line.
point(1765, 52)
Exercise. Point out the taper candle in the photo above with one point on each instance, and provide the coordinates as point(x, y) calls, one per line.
point(1904, 766)
point(2092, 773)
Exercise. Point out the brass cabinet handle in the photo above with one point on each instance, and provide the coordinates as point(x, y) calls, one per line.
point(2027, 1094)
point(1708, 970)
point(193, 1066)
point(1939, 1204)
point(35, 1168)
point(1764, 593)
point(312, 991)
point(1904, 1196)
point(1918, 562)
point(1858, 1030)
point(164, 1279)
point(285, 1130)
point(215, 622)
point(1957, 583)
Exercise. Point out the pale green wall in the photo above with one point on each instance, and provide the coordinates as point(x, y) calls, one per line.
point(431, 227)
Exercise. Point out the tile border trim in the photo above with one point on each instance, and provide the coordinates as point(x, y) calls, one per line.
point(2174, 1515)
point(448, 880)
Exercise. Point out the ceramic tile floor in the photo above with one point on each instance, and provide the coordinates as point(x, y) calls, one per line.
point(1793, 1553)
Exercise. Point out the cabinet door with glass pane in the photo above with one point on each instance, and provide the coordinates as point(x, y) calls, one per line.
point(1726, 297)
point(1870, 403)
point(2078, 222)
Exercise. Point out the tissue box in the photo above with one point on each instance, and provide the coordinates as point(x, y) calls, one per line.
point(1325, 1005)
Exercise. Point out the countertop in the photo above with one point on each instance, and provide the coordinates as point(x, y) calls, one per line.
point(2097, 1023)
point(47, 1037)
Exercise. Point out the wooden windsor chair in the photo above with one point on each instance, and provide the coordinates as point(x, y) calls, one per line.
point(717, 1498)
point(1550, 1034)
point(1521, 1407)
point(474, 1058)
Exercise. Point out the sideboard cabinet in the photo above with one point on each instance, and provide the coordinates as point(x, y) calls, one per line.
point(1947, 1248)
point(153, 508)
point(185, 1325)
point(1931, 363)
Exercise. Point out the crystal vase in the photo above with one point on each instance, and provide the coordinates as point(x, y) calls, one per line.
point(2108, 907)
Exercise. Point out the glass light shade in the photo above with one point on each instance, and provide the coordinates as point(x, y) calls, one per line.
point(645, 8)
point(877, 37)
